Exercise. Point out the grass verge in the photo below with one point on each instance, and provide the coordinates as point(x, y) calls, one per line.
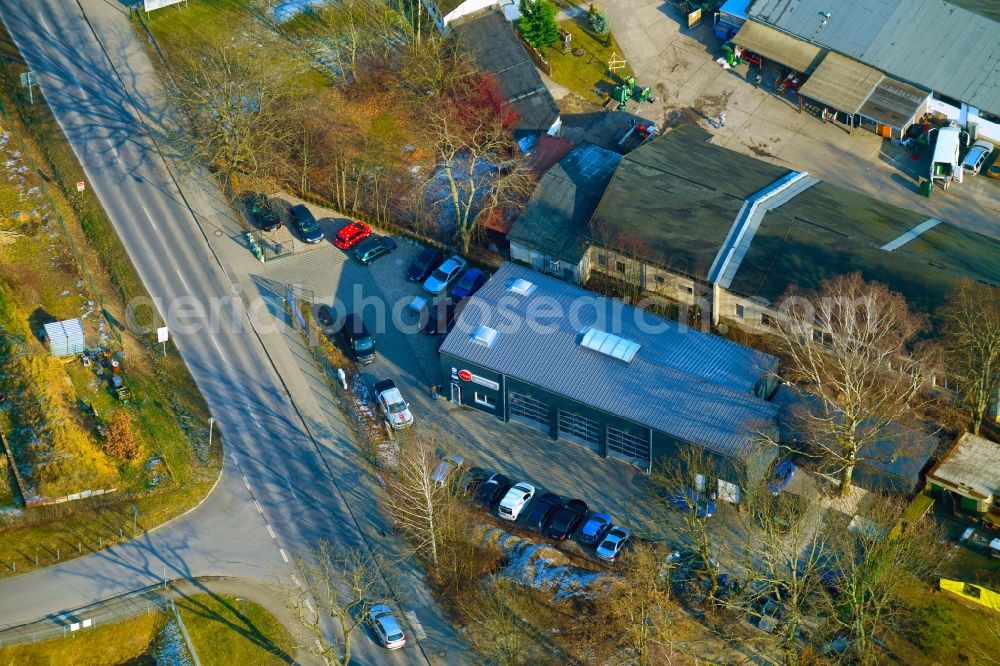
point(109, 644)
point(229, 630)
point(169, 413)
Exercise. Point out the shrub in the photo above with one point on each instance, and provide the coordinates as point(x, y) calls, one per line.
point(538, 22)
point(120, 441)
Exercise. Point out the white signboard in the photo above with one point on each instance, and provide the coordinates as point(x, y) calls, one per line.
point(150, 5)
point(161, 334)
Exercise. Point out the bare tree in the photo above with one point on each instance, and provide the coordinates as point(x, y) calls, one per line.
point(237, 107)
point(346, 583)
point(416, 501)
point(493, 611)
point(479, 168)
point(679, 487)
point(849, 350)
point(636, 612)
point(972, 348)
point(783, 553)
point(870, 563)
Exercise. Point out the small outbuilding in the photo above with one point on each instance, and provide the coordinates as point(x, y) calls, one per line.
point(967, 480)
point(65, 337)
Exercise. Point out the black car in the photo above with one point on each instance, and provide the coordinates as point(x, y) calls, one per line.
point(425, 264)
point(441, 317)
point(542, 509)
point(492, 490)
point(566, 519)
point(261, 212)
point(372, 248)
point(326, 317)
point(360, 343)
point(474, 478)
point(307, 224)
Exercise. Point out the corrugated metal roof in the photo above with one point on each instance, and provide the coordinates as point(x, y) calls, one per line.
point(974, 462)
point(842, 83)
point(690, 385)
point(931, 43)
point(894, 103)
point(777, 46)
point(65, 337)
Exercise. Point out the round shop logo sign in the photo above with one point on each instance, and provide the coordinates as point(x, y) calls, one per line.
point(465, 375)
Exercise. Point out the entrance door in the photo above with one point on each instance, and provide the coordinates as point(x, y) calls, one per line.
point(456, 393)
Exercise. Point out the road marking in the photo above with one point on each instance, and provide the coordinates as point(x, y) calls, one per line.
point(113, 150)
point(418, 628)
point(310, 606)
point(183, 281)
point(253, 415)
point(270, 531)
point(289, 482)
point(259, 510)
point(319, 645)
point(149, 217)
point(245, 482)
point(218, 348)
point(235, 459)
point(45, 25)
point(296, 581)
point(284, 555)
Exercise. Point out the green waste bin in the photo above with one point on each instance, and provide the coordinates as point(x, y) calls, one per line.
point(926, 187)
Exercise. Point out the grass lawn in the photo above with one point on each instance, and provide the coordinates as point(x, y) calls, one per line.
point(976, 631)
point(169, 415)
point(586, 75)
point(227, 630)
point(107, 645)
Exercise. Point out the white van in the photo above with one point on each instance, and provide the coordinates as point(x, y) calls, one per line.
point(945, 165)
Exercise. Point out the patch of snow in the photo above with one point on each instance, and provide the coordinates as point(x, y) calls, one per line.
point(543, 567)
point(289, 10)
point(170, 649)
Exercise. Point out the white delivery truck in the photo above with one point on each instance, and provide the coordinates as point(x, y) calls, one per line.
point(945, 165)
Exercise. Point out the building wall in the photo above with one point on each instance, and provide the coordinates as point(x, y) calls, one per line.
point(543, 263)
point(663, 446)
point(963, 115)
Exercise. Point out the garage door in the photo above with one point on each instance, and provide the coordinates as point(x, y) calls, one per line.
point(629, 446)
point(578, 429)
point(529, 411)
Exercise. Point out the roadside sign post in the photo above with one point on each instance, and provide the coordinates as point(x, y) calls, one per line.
point(80, 186)
point(162, 336)
point(28, 79)
point(135, 517)
point(211, 424)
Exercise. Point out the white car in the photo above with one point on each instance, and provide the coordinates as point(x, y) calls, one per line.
point(444, 275)
point(386, 627)
point(977, 156)
point(613, 542)
point(515, 500)
point(390, 401)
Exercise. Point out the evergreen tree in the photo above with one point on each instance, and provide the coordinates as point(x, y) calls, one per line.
point(538, 22)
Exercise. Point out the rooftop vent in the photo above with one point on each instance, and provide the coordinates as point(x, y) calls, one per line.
point(485, 336)
point(521, 287)
point(610, 344)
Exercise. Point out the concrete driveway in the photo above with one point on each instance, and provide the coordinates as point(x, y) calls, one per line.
point(679, 64)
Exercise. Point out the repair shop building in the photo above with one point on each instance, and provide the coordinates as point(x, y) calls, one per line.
point(618, 380)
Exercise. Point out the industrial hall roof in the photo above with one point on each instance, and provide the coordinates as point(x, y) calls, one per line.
point(497, 50)
point(930, 43)
point(693, 386)
point(777, 46)
point(842, 83)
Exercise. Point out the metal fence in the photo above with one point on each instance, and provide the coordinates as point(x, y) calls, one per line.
point(113, 611)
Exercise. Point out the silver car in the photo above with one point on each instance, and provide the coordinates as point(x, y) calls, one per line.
point(977, 156)
point(386, 627)
point(444, 275)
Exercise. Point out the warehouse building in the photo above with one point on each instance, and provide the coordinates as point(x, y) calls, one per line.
point(618, 380)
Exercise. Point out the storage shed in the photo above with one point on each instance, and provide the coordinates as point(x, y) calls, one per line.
point(65, 337)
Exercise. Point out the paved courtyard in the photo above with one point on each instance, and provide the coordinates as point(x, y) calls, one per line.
point(679, 64)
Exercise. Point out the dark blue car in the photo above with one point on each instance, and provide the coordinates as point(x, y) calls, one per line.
point(469, 283)
point(595, 528)
point(684, 500)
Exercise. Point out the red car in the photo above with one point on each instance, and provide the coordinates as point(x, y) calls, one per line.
point(352, 234)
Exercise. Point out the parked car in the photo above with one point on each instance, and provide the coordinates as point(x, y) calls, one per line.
point(492, 490)
point(306, 224)
point(613, 542)
point(326, 317)
point(594, 528)
point(451, 464)
point(360, 344)
point(781, 476)
point(542, 509)
point(469, 283)
point(390, 401)
point(424, 264)
point(977, 156)
point(373, 247)
point(444, 275)
point(515, 500)
point(993, 171)
point(566, 519)
point(261, 211)
point(683, 500)
point(386, 627)
point(351, 234)
point(441, 317)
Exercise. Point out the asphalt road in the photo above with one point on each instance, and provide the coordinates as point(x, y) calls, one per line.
point(277, 495)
